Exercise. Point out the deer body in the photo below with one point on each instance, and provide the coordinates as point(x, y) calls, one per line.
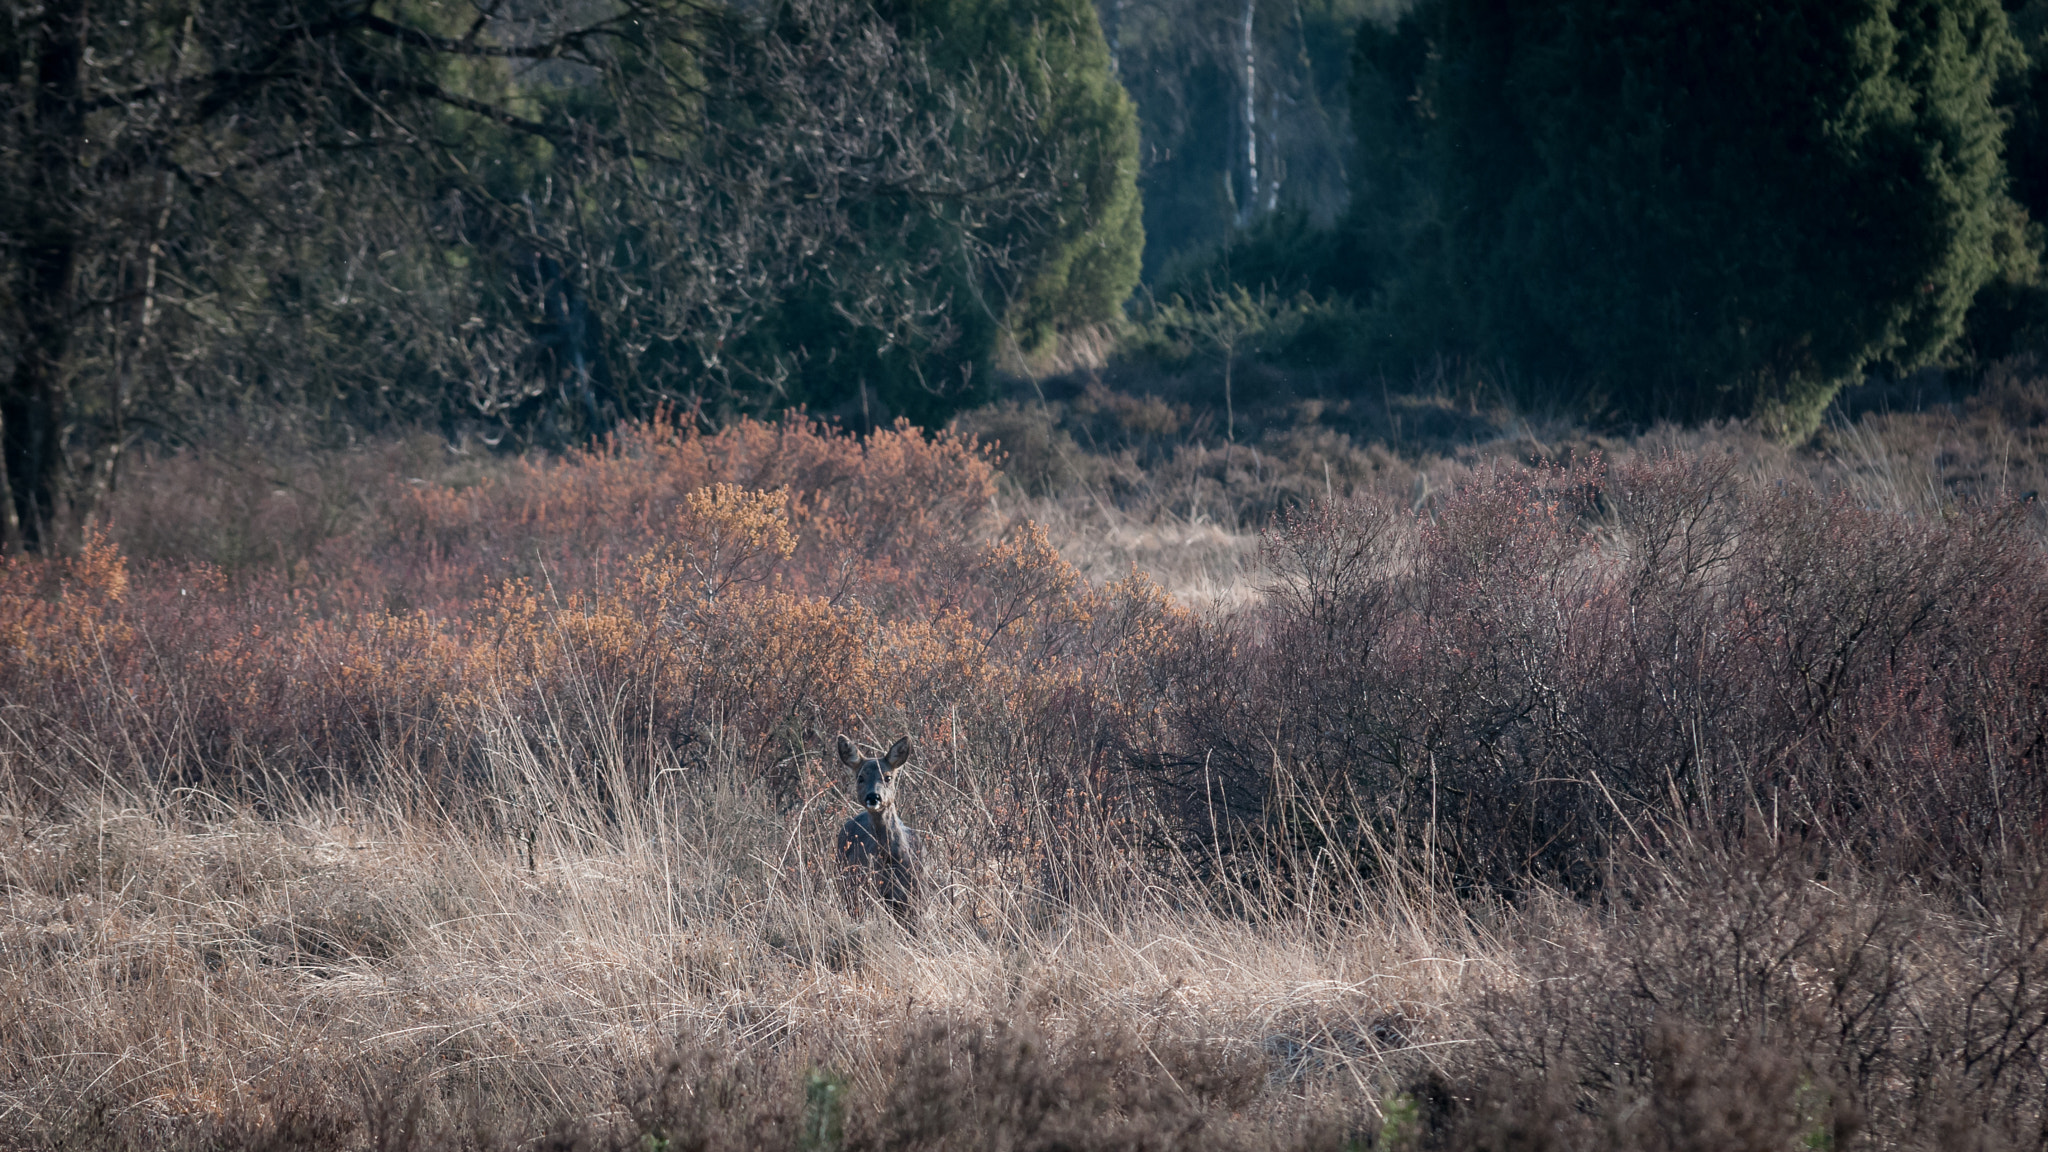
point(877, 851)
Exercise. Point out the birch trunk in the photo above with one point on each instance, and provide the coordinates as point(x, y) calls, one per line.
point(1249, 206)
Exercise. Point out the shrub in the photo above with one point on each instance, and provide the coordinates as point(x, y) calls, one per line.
point(772, 584)
point(1762, 999)
point(440, 836)
point(1565, 661)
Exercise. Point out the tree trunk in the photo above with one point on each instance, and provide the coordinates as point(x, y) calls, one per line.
point(34, 408)
point(1250, 206)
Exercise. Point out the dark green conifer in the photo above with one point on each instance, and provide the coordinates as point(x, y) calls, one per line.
point(1084, 268)
point(1696, 207)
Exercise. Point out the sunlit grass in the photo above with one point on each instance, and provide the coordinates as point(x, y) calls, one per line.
point(495, 801)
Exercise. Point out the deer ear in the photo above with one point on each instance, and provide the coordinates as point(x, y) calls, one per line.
point(899, 752)
point(847, 756)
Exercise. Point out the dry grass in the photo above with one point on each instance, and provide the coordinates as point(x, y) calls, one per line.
point(417, 800)
point(1147, 479)
point(1203, 565)
point(173, 959)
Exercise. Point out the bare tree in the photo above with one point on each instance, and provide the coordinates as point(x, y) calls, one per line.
point(540, 217)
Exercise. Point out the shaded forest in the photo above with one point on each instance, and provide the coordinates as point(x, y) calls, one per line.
point(522, 224)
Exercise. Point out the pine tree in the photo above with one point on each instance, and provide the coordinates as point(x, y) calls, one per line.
point(1086, 266)
point(1705, 207)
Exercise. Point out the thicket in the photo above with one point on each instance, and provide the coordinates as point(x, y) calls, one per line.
point(775, 583)
point(1744, 780)
point(1542, 668)
point(1641, 212)
point(1560, 667)
point(529, 225)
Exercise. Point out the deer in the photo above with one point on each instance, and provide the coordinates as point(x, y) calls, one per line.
point(876, 846)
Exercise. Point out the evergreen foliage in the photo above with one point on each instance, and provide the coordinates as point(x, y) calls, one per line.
point(1084, 265)
point(2010, 315)
point(1071, 259)
point(1700, 208)
point(531, 222)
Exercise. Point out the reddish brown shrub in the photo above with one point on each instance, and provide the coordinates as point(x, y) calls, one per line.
point(771, 584)
point(1744, 1001)
point(1563, 662)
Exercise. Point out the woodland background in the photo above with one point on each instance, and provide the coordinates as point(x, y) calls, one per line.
point(517, 225)
point(1462, 575)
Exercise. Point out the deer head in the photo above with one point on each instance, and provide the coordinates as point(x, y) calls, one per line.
point(875, 780)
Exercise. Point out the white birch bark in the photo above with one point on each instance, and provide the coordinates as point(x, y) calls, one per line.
point(1249, 205)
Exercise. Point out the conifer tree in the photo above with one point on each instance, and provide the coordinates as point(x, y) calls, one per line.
point(1696, 207)
point(1086, 264)
point(1052, 118)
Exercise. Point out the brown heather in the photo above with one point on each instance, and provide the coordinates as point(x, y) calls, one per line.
point(1691, 798)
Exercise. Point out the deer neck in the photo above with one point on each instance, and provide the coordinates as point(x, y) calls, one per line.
point(887, 828)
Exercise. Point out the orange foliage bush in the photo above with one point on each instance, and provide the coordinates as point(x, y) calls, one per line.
point(1553, 663)
point(774, 583)
point(868, 511)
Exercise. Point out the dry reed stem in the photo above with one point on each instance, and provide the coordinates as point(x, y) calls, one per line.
point(173, 960)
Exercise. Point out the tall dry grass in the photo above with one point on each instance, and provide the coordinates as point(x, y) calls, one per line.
point(481, 810)
point(181, 964)
point(1637, 803)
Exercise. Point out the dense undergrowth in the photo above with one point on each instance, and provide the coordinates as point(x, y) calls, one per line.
point(1685, 795)
point(1561, 662)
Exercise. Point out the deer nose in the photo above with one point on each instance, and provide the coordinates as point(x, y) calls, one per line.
point(872, 800)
